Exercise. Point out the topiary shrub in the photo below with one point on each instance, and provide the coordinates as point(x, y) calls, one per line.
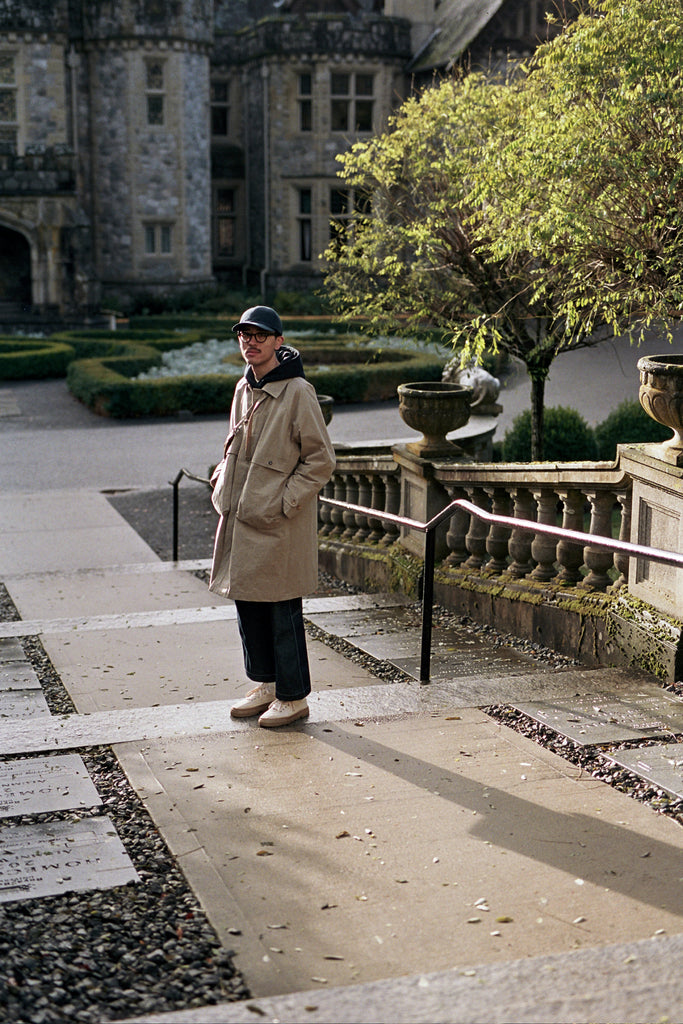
point(33, 358)
point(566, 437)
point(107, 386)
point(628, 424)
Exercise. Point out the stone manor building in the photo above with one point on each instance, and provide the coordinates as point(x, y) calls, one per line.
point(159, 145)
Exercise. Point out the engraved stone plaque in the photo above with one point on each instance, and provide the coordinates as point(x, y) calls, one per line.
point(23, 704)
point(62, 856)
point(40, 784)
point(662, 765)
point(10, 651)
point(17, 675)
point(606, 718)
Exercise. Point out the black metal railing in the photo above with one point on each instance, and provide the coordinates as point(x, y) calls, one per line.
point(175, 484)
point(429, 530)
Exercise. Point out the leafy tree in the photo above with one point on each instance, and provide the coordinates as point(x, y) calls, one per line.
point(592, 183)
point(524, 215)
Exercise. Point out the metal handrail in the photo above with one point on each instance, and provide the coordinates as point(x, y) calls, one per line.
point(175, 484)
point(429, 530)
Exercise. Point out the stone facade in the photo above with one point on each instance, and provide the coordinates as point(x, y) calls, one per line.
point(157, 145)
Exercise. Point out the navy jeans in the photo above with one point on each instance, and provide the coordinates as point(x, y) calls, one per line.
point(274, 644)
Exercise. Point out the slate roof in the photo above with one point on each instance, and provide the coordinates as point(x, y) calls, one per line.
point(460, 22)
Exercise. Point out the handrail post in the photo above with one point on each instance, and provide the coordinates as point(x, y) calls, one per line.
point(427, 604)
point(175, 486)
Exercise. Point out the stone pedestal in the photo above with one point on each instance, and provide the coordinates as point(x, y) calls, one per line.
point(422, 497)
point(657, 522)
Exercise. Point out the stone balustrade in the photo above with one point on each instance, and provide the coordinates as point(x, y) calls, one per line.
point(594, 498)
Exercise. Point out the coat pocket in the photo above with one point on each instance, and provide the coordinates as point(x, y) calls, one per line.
point(261, 502)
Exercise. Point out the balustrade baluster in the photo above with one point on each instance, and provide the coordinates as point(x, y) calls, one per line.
point(364, 494)
point(544, 547)
point(498, 536)
point(337, 514)
point(392, 505)
point(519, 545)
point(621, 559)
point(570, 556)
point(376, 501)
point(457, 529)
point(599, 560)
point(475, 539)
point(325, 510)
point(351, 497)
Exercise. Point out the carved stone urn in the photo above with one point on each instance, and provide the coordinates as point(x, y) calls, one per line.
point(435, 408)
point(661, 396)
point(326, 403)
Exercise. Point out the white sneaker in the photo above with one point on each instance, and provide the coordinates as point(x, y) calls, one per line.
point(282, 712)
point(257, 700)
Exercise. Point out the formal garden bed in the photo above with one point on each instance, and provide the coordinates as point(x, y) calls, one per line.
point(130, 372)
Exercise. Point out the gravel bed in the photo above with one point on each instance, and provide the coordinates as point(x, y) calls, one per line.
point(116, 953)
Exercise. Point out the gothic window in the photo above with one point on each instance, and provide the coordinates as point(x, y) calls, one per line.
point(8, 99)
point(305, 101)
point(305, 221)
point(158, 239)
point(351, 101)
point(220, 107)
point(155, 91)
point(225, 223)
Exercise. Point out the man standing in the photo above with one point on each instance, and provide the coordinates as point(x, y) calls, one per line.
point(277, 457)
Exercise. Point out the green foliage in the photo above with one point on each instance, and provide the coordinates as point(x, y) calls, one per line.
point(568, 438)
point(357, 374)
point(289, 303)
point(628, 424)
point(533, 216)
point(25, 358)
point(591, 183)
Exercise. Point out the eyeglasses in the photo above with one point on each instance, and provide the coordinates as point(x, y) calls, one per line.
point(259, 336)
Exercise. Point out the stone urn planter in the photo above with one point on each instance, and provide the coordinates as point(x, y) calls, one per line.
point(326, 403)
point(435, 408)
point(661, 396)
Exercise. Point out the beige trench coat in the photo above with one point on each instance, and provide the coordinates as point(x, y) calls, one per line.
point(266, 546)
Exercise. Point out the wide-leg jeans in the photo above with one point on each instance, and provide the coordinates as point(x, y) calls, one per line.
point(274, 644)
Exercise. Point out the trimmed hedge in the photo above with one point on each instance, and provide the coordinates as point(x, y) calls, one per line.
point(31, 358)
point(566, 437)
point(35, 358)
point(106, 387)
point(628, 424)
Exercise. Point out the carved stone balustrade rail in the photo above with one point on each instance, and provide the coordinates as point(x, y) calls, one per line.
point(594, 498)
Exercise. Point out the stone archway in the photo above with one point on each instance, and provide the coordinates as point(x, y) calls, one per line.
point(15, 269)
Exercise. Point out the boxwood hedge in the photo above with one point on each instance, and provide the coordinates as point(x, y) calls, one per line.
point(106, 385)
point(26, 358)
point(100, 366)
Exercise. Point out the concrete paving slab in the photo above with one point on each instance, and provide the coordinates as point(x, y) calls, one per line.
point(71, 732)
point(640, 709)
point(91, 594)
point(661, 764)
point(61, 856)
point(202, 660)
point(38, 785)
point(84, 530)
point(636, 981)
point(125, 620)
point(352, 853)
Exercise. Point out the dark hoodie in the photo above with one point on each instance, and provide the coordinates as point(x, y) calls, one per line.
point(290, 366)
